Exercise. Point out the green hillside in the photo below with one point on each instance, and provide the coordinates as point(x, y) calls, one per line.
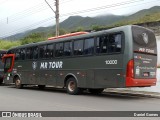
point(76, 23)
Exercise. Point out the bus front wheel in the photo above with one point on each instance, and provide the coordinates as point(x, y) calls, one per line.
point(71, 86)
point(18, 83)
point(96, 91)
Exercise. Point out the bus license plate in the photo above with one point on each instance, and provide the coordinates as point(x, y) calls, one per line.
point(146, 74)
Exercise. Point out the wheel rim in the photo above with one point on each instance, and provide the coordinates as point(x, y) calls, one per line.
point(18, 82)
point(71, 86)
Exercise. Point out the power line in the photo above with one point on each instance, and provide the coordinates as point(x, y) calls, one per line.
point(102, 7)
point(83, 11)
point(30, 11)
point(25, 12)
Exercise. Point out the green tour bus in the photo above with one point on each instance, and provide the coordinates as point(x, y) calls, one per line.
point(120, 57)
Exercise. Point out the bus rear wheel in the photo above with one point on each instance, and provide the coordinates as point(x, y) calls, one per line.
point(71, 87)
point(96, 91)
point(18, 83)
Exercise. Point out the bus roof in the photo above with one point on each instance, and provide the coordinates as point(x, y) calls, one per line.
point(92, 34)
point(67, 35)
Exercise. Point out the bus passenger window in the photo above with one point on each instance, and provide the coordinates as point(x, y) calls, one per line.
point(35, 53)
point(23, 54)
point(11, 52)
point(114, 43)
point(59, 50)
point(102, 44)
point(89, 46)
point(49, 51)
point(42, 51)
point(17, 54)
point(29, 53)
point(67, 48)
point(78, 47)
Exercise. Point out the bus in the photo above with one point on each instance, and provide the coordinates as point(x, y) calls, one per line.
point(120, 57)
point(2, 52)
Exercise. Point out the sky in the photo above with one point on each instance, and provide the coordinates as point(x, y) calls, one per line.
point(17, 16)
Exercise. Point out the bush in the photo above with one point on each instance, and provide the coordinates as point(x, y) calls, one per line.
point(4, 44)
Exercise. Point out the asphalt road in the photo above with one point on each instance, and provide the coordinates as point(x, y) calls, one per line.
point(51, 99)
point(33, 99)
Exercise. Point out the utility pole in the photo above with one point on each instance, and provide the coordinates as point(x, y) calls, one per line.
point(56, 15)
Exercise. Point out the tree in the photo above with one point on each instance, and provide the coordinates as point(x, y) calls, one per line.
point(79, 29)
point(33, 38)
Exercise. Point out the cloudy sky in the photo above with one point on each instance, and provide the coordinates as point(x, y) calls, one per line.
point(17, 16)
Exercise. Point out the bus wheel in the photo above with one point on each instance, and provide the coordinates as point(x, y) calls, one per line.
point(18, 83)
point(96, 91)
point(41, 87)
point(71, 86)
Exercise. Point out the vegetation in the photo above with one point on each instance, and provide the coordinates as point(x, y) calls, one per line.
point(78, 23)
point(4, 44)
point(32, 38)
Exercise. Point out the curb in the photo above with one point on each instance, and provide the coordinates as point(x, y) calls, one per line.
point(133, 92)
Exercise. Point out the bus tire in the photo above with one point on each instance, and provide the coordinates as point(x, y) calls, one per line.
point(41, 87)
point(71, 87)
point(18, 83)
point(96, 91)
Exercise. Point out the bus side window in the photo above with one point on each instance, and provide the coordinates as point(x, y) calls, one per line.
point(67, 48)
point(29, 53)
point(11, 52)
point(42, 51)
point(78, 47)
point(59, 50)
point(23, 54)
point(35, 52)
point(17, 54)
point(89, 46)
point(102, 44)
point(114, 43)
point(49, 51)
